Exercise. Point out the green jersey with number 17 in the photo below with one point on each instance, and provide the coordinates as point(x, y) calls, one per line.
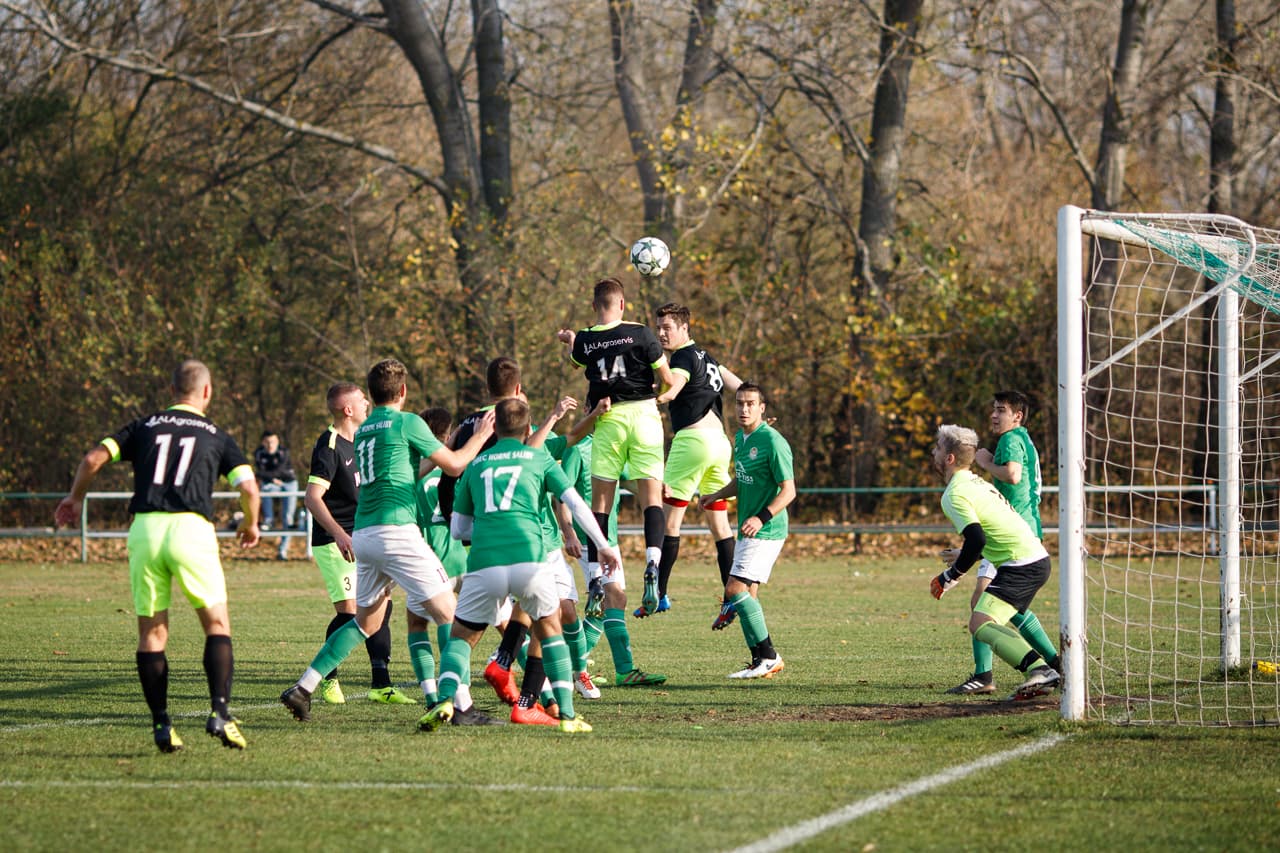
point(389, 446)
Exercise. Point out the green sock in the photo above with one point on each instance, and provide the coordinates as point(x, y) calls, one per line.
point(751, 616)
point(577, 644)
point(443, 634)
point(592, 630)
point(1033, 632)
point(556, 663)
point(615, 630)
point(337, 647)
point(1006, 642)
point(454, 661)
point(522, 653)
point(981, 656)
point(422, 656)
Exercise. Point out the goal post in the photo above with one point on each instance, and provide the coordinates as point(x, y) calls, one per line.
point(1169, 464)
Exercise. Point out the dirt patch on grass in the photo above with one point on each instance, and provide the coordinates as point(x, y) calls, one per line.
point(890, 713)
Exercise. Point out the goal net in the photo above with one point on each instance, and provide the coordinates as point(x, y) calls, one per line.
point(1169, 468)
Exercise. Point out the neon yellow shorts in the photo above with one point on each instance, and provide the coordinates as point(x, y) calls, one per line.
point(628, 436)
point(698, 461)
point(999, 610)
point(164, 546)
point(339, 575)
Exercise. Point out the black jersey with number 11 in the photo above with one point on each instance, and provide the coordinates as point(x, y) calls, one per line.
point(618, 361)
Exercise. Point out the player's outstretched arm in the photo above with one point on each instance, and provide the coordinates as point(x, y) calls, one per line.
point(583, 428)
point(729, 490)
point(563, 406)
point(730, 379)
point(453, 462)
point(67, 512)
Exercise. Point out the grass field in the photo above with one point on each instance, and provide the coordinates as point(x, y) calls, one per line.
point(852, 747)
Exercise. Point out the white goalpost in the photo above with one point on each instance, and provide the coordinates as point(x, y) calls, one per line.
point(1169, 468)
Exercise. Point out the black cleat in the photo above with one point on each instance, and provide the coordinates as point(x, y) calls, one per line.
point(298, 701)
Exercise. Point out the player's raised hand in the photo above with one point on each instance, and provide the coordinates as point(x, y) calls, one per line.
point(566, 336)
point(484, 426)
point(563, 407)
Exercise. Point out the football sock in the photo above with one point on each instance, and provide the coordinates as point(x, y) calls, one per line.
point(592, 629)
point(531, 684)
point(512, 638)
point(422, 657)
point(764, 649)
point(1033, 632)
point(555, 659)
point(577, 643)
point(454, 661)
point(443, 634)
point(751, 617)
point(981, 656)
point(670, 552)
point(378, 645)
point(1006, 643)
point(338, 620)
point(218, 666)
point(615, 630)
point(724, 557)
point(522, 653)
point(336, 648)
point(593, 553)
point(153, 672)
point(655, 522)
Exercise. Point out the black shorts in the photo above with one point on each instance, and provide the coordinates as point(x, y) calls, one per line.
point(1018, 585)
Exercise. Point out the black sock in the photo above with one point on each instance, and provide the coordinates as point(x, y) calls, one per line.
point(338, 620)
point(724, 557)
point(764, 649)
point(593, 553)
point(512, 639)
point(531, 686)
point(219, 663)
point(1056, 663)
point(655, 523)
point(670, 552)
point(378, 645)
point(1030, 658)
point(153, 672)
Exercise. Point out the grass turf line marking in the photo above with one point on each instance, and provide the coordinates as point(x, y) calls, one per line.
point(792, 835)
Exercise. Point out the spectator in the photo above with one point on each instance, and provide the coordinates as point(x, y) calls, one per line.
point(275, 474)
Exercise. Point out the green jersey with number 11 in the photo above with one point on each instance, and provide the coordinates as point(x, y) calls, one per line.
point(389, 446)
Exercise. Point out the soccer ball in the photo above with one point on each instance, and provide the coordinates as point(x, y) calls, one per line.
point(650, 256)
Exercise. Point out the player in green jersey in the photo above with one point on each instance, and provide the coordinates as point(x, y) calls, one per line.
point(177, 457)
point(387, 541)
point(764, 483)
point(1015, 470)
point(991, 531)
point(499, 507)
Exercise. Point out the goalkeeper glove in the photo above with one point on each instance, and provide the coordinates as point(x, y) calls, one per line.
point(943, 582)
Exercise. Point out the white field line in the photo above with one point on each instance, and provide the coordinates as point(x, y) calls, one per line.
point(792, 835)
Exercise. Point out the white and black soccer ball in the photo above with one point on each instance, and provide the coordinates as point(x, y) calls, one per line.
point(650, 256)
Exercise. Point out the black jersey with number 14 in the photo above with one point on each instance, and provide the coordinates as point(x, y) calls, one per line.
point(177, 457)
point(618, 361)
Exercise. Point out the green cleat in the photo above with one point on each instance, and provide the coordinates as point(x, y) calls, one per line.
point(228, 731)
point(574, 725)
point(637, 678)
point(390, 696)
point(331, 692)
point(649, 598)
point(440, 714)
point(167, 739)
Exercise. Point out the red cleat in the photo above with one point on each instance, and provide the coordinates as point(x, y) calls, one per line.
point(502, 681)
point(534, 716)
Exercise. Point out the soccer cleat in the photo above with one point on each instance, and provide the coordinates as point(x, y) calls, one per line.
point(637, 678)
point(331, 692)
point(640, 612)
point(574, 725)
point(649, 598)
point(727, 614)
point(441, 714)
point(535, 715)
point(389, 696)
point(473, 716)
point(585, 686)
point(1040, 681)
point(664, 604)
point(976, 685)
point(595, 599)
point(502, 681)
point(298, 701)
point(760, 668)
point(167, 739)
point(228, 731)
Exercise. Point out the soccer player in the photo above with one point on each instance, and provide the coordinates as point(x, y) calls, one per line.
point(622, 361)
point(991, 530)
point(388, 544)
point(699, 458)
point(333, 489)
point(177, 456)
point(764, 482)
point(1015, 471)
point(499, 506)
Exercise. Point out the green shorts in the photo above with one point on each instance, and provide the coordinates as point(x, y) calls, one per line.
point(164, 546)
point(628, 436)
point(339, 575)
point(699, 462)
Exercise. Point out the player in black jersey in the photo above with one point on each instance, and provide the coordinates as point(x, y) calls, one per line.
point(333, 488)
point(623, 361)
point(700, 458)
point(177, 456)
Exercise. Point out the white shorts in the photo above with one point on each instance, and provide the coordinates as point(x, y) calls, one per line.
point(485, 591)
point(753, 559)
point(619, 577)
point(566, 589)
point(986, 569)
point(388, 554)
